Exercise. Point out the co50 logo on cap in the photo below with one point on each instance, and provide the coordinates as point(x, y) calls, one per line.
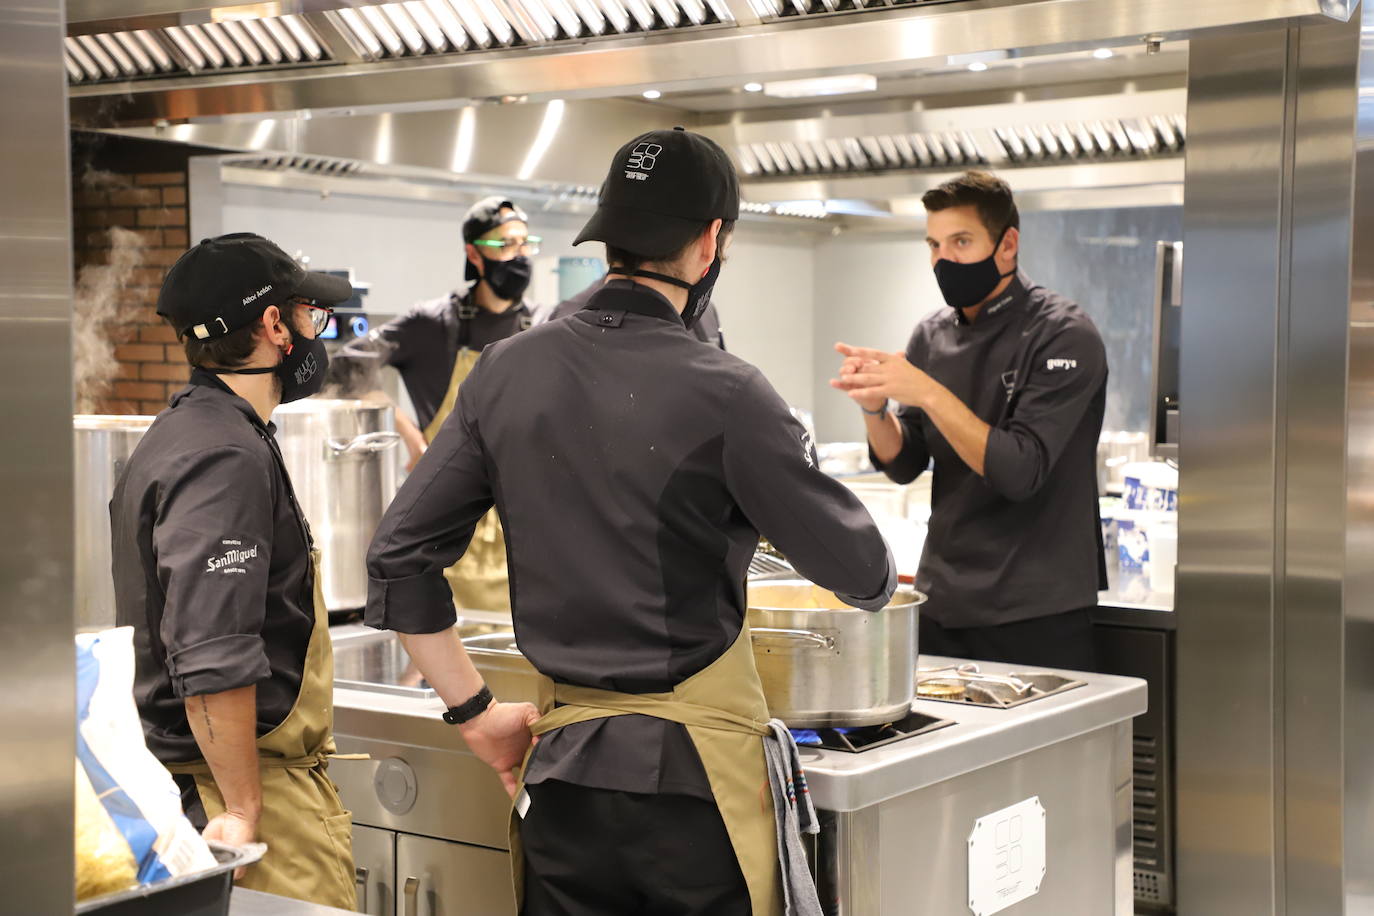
point(643, 157)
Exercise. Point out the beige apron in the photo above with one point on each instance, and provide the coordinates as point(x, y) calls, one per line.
point(479, 580)
point(726, 716)
point(308, 833)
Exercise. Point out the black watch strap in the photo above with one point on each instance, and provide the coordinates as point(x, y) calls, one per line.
point(469, 709)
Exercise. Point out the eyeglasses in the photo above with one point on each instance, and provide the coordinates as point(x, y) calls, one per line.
point(319, 314)
point(528, 247)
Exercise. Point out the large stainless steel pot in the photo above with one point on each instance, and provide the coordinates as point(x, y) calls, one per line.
point(102, 445)
point(826, 664)
point(342, 458)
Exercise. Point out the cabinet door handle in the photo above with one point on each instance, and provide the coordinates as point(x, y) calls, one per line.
point(360, 875)
point(412, 892)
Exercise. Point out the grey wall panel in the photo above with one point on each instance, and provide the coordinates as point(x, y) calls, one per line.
point(36, 655)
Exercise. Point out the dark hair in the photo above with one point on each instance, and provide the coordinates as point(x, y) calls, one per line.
point(990, 195)
point(631, 261)
point(230, 351)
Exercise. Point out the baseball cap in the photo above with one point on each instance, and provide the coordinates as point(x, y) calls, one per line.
point(486, 215)
point(662, 186)
point(224, 283)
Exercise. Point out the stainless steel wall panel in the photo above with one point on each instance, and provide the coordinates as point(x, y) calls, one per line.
point(1225, 600)
point(37, 718)
point(1357, 669)
point(1313, 445)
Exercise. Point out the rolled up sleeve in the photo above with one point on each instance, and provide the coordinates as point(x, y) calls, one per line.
point(429, 525)
point(213, 541)
point(817, 522)
point(1067, 373)
point(914, 457)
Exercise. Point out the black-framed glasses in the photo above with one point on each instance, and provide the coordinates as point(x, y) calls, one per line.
point(527, 246)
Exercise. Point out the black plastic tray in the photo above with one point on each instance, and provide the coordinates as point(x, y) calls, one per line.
point(204, 893)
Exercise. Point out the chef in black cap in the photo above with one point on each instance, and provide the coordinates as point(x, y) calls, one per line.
point(435, 345)
point(634, 470)
point(214, 568)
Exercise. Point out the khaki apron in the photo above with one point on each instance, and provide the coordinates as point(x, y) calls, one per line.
point(726, 716)
point(480, 581)
point(308, 833)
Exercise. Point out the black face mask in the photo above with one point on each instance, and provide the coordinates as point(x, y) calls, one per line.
point(967, 285)
point(698, 293)
point(301, 370)
point(508, 279)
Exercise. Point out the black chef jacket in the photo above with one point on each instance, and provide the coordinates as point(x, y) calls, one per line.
point(211, 561)
point(706, 330)
point(423, 344)
point(633, 470)
point(1025, 539)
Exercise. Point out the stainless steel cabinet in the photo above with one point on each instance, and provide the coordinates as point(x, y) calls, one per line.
point(439, 878)
point(374, 857)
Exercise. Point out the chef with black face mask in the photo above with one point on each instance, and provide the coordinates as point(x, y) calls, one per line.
point(436, 344)
point(1003, 392)
point(214, 569)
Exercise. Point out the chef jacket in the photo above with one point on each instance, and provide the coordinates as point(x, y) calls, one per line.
point(706, 330)
point(633, 470)
point(1025, 539)
point(423, 344)
point(211, 562)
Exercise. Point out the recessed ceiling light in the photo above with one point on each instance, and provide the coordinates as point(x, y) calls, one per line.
point(753, 87)
point(652, 94)
point(844, 84)
point(977, 66)
point(1103, 53)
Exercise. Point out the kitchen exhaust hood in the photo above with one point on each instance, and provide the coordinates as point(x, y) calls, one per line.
point(140, 61)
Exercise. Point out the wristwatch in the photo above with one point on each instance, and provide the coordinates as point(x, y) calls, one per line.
point(469, 709)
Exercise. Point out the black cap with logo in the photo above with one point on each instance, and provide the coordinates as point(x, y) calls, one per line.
point(662, 187)
point(227, 282)
point(486, 215)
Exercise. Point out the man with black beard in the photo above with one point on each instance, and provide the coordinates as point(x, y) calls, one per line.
point(436, 344)
point(1004, 393)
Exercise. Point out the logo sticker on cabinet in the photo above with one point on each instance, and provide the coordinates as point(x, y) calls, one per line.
point(1006, 857)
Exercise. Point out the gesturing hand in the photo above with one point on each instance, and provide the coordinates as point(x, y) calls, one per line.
point(500, 737)
point(870, 377)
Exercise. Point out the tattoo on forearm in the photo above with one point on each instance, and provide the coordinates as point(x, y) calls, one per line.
point(209, 726)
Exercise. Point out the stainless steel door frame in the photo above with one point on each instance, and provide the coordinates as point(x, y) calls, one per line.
point(441, 878)
point(1270, 720)
point(37, 655)
point(374, 863)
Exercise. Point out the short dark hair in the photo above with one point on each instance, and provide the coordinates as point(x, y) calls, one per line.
point(987, 193)
point(229, 351)
point(632, 261)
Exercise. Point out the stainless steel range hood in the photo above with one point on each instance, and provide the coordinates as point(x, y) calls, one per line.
point(442, 50)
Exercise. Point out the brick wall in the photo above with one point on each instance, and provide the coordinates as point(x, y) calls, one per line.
point(151, 364)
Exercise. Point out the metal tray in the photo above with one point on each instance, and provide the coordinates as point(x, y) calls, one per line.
point(203, 893)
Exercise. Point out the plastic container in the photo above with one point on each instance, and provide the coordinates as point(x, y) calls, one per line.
point(1163, 538)
point(1133, 529)
point(204, 893)
point(1151, 486)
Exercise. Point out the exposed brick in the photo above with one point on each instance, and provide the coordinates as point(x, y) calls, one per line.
point(103, 219)
point(174, 353)
point(114, 405)
point(162, 257)
point(147, 276)
point(155, 178)
point(166, 372)
point(172, 216)
point(128, 372)
point(92, 198)
point(136, 197)
point(157, 333)
point(94, 239)
point(138, 390)
point(173, 196)
point(152, 408)
point(175, 237)
point(140, 353)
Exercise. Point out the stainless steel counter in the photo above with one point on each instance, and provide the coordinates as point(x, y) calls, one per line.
point(243, 902)
point(979, 738)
